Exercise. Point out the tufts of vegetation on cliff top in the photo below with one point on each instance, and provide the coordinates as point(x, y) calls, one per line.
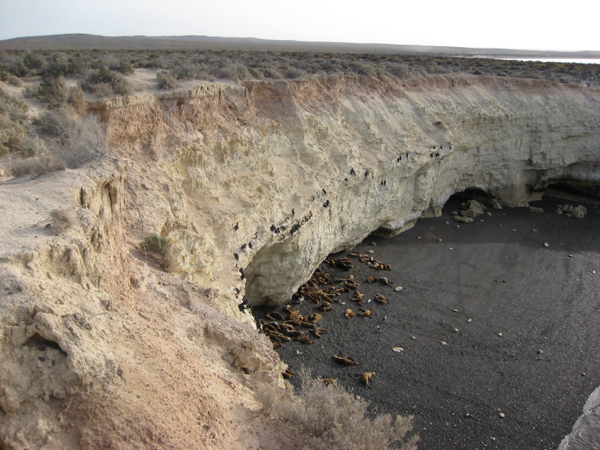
point(108, 68)
point(60, 137)
point(63, 81)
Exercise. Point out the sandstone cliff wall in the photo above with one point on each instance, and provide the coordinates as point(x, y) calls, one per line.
point(264, 179)
point(339, 158)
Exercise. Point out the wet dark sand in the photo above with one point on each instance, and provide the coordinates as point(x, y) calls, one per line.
point(545, 302)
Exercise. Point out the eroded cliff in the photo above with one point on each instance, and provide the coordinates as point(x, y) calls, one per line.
point(253, 185)
point(284, 173)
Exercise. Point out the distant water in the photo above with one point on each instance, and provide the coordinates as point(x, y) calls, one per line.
point(557, 60)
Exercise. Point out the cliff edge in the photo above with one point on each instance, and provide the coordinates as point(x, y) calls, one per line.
point(252, 186)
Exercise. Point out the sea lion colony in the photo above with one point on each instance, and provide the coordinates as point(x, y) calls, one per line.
point(297, 321)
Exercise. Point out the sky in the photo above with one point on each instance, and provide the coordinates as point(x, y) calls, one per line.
point(514, 24)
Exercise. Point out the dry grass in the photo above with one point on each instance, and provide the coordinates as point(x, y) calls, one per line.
point(61, 221)
point(59, 139)
point(331, 418)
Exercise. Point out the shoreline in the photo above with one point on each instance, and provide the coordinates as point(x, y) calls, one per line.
point(518, 373)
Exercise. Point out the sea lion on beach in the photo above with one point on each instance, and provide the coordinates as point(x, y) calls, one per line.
point(358, 297)
point(385, 281)
point(293, 322)
point(274, 339)
point(344, 264)
point(317, 331)
point(333, 291)
point(293, 333)
point(314, 318)
point(347, 361)
point(325, 306)
point(304, 339)
point(351, 284)
point(286, 328)
point(274, 315)
point(365, 377)
point(380, 299)
point(349, 314)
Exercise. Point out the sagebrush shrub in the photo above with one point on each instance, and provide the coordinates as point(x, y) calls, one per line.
point(155, 244)
point(53, 90)
point(12, 123)
point(103, 76)
point(74, 140)
point(331, 418)
point(165, 80)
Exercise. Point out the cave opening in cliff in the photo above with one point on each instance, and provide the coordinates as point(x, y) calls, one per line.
point(474, 193)
point(480, 329)
point(576, 190)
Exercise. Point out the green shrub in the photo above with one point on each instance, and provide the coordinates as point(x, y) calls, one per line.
point(33, 145)
point(155, 244)
point(33, 61)
point(12, 123)
point(57, 65)
point(77, 99)
point(19, 69)
point(124, 66)
point(54, 91)
point(99, 79)
point(9, 78)
point(166, 80)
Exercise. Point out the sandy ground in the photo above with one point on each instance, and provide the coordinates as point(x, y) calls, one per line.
point(499, 333)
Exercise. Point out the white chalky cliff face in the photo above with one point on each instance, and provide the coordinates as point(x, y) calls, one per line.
point(283, 173)
point(253, 185)
point(377, 157)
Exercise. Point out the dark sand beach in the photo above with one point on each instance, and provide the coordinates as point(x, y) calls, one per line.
point(500, 334)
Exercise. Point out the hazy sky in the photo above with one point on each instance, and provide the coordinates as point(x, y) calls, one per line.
point(519, 24)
